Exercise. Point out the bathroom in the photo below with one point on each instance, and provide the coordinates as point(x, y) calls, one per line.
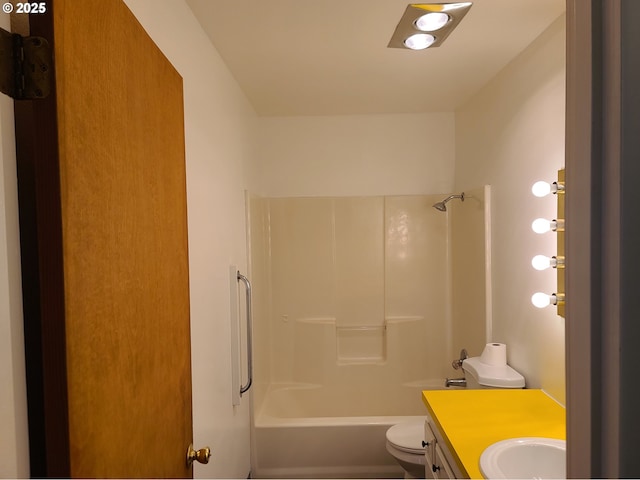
point(231, 149)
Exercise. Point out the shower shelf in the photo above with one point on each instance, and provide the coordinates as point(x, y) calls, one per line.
point(362, 328)
point(361, 344)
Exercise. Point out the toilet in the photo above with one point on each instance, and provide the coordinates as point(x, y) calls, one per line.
point(404, 440)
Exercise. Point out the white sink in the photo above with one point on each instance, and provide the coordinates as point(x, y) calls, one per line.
point(527, 457)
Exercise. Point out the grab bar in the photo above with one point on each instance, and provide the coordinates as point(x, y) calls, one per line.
point(247, 284)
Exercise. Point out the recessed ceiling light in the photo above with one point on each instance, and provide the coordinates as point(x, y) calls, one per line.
point(427, 17)
point(419, 41)
point(431, 22)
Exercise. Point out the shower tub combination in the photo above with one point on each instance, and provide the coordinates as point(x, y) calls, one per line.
point(332, 431)
point(345, 354)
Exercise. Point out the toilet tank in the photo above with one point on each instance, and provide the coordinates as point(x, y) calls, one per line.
point(481, 375)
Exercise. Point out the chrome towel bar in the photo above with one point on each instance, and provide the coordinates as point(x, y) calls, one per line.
point(247, 284)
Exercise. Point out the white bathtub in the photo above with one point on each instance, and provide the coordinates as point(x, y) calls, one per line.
point(306, 431)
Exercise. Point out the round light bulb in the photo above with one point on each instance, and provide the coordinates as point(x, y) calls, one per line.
point(541, 225)
point(541, 300)
point(541, 189)
point(419, 41)
point(432, 21)
point(540, 262)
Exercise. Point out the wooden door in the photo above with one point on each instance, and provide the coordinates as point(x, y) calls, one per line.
point(104, 226)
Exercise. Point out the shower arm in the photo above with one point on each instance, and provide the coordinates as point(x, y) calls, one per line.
point(442, 206)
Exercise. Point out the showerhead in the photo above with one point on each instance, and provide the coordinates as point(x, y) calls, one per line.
point(442, 206)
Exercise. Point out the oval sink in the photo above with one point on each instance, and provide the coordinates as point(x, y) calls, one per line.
point(527, 457)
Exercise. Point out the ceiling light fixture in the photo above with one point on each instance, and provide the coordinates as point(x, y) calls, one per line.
point(427, 17)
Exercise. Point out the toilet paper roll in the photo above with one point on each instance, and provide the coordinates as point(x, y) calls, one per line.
point(494, 354)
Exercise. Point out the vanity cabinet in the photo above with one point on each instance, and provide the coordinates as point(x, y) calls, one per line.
point(429, 450)
point(461, 424)
point(439, 463)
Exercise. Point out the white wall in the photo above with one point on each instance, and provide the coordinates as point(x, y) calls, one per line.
point(407, 154)
point(218, 132)
point(510, 135)
point(14, 447)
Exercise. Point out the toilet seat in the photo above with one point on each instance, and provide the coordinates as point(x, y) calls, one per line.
point(407, 436)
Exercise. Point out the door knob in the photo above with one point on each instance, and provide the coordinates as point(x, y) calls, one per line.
point(201, 456)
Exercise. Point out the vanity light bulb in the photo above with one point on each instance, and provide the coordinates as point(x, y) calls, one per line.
point(541, 225)
point(541, 189)
point(540, 262)
point(541, 300)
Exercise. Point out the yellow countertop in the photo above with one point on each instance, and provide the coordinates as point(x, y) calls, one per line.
point(471, 420)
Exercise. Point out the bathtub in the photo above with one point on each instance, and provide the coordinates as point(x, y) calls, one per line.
point(311, 431)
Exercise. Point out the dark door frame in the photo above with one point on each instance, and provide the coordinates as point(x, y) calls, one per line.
point(602, 238)
point(40, 217)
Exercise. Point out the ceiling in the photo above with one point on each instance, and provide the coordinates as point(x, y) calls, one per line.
point(330, 57)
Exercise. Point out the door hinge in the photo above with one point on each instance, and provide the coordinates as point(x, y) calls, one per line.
point(25, 66)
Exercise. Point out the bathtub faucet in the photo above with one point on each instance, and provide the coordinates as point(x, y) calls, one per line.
point(455, 382)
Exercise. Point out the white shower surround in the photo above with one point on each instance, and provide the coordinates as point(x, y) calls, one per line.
point(340, 361)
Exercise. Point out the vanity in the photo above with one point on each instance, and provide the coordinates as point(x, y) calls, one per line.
point(461, 424)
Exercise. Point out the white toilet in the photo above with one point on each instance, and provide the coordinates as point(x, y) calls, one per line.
point(404, 440)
